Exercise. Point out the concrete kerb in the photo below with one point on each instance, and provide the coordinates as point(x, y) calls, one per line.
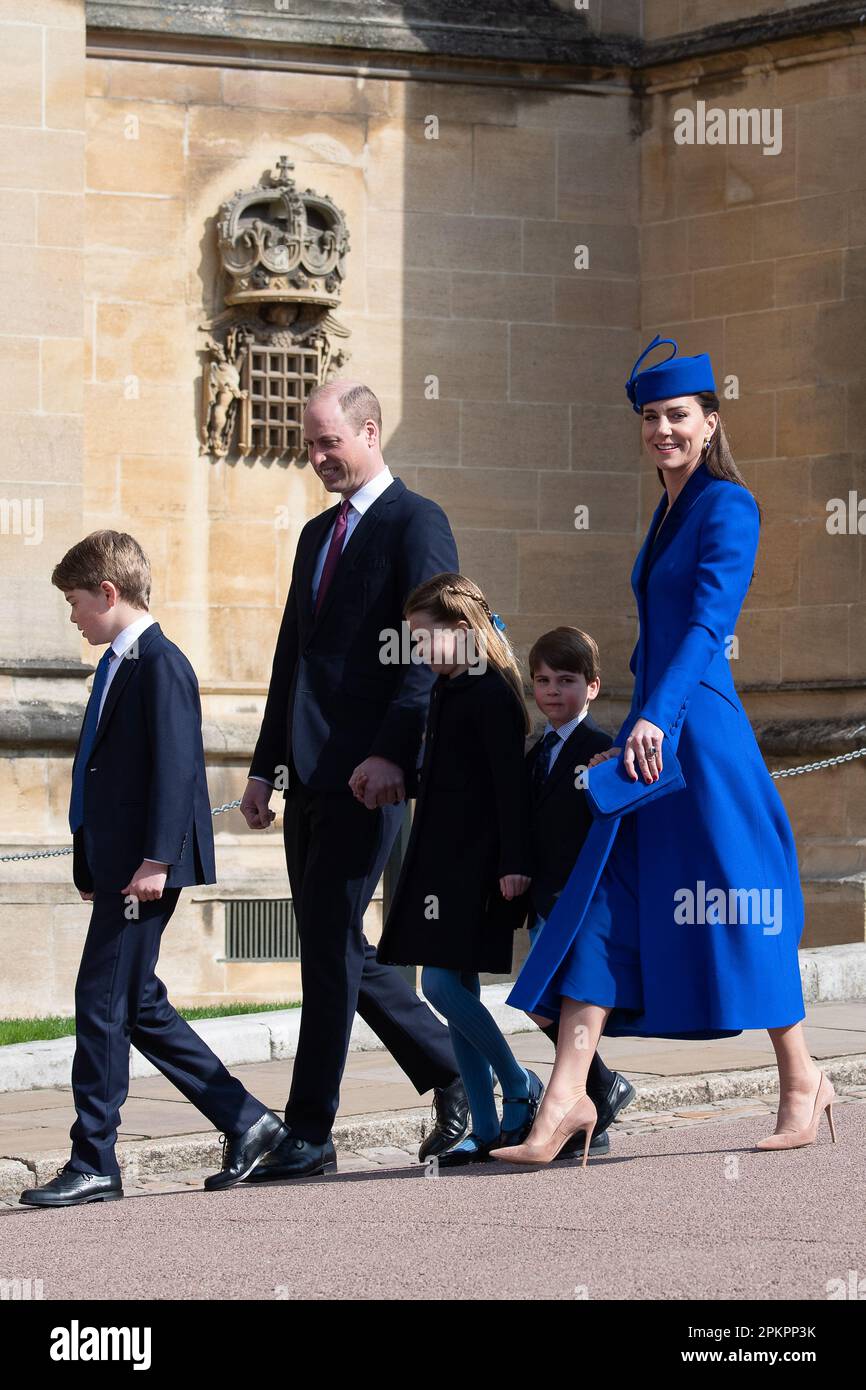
point(829, 974)
point(405, 1129)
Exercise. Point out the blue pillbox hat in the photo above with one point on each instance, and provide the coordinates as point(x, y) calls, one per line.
point(676, 376)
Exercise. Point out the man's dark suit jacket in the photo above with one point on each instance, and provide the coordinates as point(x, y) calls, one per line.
point(145, 793)
point(331, 699)
point(560, 817)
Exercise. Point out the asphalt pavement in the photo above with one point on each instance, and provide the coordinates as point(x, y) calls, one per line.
point(682, 1209)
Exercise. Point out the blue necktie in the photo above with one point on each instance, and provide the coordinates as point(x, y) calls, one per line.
point(88, 738)
point(541, 766)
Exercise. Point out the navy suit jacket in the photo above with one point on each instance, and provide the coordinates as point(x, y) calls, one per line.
point(145, 792)
point(332, 700)
point(560, 817)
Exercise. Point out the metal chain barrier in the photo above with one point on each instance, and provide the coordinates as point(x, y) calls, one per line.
point(55, 853)
point(824, 762)
point(232, 805)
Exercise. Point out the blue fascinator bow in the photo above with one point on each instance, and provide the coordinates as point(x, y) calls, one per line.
point(658, 341)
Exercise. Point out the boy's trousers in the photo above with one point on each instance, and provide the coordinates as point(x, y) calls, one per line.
point(118, 1001)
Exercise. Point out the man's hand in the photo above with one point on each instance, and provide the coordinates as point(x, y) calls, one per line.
point(147, 882)
point(644, 737)
point(512, 885)
point(255, 804)
point(377, 782)
point(85, 897)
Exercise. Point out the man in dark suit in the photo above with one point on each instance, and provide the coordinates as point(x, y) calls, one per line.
point(141, 823)
point(566, 678)
point(340, 736)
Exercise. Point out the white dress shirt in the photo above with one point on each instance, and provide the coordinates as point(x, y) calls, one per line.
point(122, 643)
point(565, 731)
point(358, 504)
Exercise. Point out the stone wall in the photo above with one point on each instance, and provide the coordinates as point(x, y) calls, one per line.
point(761, 260)
point(461, 274)
point(42, 351)
point(41, 343)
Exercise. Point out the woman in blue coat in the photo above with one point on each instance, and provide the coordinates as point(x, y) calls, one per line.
point(684, 919)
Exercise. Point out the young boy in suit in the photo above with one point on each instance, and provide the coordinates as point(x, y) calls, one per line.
point(142, 830)
point(566, 678)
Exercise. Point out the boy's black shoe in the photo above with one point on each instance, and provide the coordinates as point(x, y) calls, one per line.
point(71, 1188)
point(598, 1144)
point(620, 1095)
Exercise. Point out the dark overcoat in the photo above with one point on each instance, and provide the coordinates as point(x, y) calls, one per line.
point(559, 812)
point(470, 828)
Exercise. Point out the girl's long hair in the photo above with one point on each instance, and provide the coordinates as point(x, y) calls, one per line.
point(450, 598)
point(718, 457)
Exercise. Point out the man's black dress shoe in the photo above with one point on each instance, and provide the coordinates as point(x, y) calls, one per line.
point(451, 1108)
point(297, 1158)
point(620, 1095)
point(243, 1153)
point(469, 1150)
point(71, 1189)
point(511, 1137)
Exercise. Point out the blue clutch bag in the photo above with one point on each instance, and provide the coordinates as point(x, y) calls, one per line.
point(611, 792)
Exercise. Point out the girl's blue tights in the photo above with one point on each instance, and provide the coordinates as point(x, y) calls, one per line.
point(478, 1046)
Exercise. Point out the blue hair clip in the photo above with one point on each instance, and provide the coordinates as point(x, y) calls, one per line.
point(497, 622)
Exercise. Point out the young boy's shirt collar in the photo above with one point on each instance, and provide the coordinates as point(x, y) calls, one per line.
point(124, 640)
point(565, 731)
point(121, 644)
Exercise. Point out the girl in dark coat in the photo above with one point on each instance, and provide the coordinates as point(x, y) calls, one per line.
point(462, 887)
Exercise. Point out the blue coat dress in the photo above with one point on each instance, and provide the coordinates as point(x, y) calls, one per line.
point(719, 904)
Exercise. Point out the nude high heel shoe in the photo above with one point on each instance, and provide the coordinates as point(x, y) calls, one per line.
point(798, 1138)
point(582, 1115)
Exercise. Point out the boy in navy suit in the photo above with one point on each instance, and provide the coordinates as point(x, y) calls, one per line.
point(566, 677)
point(142, 830)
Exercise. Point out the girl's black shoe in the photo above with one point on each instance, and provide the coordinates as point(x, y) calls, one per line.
point(469, 1150)
point(510, 1137)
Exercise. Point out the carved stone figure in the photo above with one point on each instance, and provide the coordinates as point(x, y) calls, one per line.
point(283, 257)
point(222, 391)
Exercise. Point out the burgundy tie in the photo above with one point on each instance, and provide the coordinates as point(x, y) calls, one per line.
point(334, 549)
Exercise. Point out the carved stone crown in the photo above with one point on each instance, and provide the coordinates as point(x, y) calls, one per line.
point(277, 244)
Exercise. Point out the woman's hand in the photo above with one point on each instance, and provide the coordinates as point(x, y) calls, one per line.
point(603, 757)
point(512, 885)
point(643, 738)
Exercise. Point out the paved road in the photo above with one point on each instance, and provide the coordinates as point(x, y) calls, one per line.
point(679, 1212)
